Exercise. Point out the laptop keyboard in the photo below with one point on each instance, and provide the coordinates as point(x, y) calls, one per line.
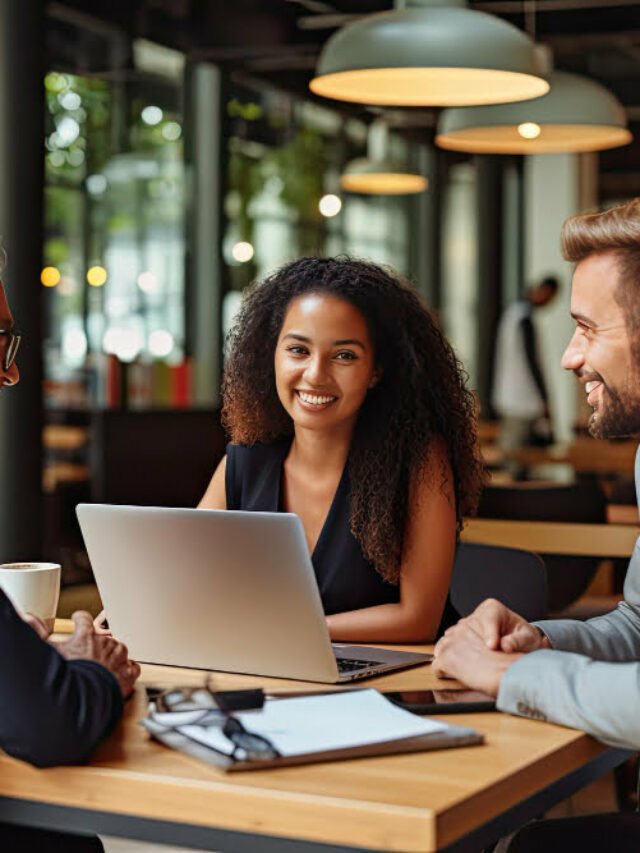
point(351, 665)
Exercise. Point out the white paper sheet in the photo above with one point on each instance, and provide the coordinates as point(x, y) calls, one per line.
point(322, 723)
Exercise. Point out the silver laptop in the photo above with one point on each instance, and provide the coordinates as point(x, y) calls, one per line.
point(221, 590)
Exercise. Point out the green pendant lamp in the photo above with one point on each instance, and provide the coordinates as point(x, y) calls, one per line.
point(577, 115)
point(429, 53)
point(380, 177)
point(377, 173)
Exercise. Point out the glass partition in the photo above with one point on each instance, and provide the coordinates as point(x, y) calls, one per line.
point(114, 240)
point(284, 199)
point(116, 222)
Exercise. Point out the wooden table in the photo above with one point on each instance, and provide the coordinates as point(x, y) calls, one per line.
point(623, 514)
point(554, 537)
point(454, 800)
point(585, 455)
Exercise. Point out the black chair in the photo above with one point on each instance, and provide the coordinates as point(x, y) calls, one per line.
point(156, 458)
point(583, 503)
point(516, 578)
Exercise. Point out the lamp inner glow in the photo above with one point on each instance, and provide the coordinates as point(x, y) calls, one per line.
point(242, 252)
point(384, 183)
point(429, 86)
point(330, 205)
point(529, 130)
point(505, 139)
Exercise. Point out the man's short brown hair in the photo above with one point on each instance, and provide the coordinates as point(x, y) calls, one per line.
point(614, 230)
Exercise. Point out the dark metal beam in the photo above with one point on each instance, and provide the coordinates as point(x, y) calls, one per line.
point(21, 211)
point(490, 212)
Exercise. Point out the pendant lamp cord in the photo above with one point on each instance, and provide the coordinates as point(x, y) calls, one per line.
point(529, 9)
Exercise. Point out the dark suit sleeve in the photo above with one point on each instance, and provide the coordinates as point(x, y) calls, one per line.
point(530, 349)
point(52, 711)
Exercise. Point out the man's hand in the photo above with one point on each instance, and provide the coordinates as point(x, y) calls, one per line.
point(37, 624)
point(101, 624)
point(502, 629)
point(463, 654)
point(86, 644)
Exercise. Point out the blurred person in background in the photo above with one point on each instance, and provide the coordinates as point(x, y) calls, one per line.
point(519, 396)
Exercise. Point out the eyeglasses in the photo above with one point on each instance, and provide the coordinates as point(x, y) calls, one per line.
point(13, 337)
point(204, 706)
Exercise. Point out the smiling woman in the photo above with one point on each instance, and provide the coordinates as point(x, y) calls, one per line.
point(346, 406)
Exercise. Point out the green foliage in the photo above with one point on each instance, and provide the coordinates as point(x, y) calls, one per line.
point(248, 111)
point(246, 179)
point(88, 152)
point(120, 222)
point(56, 251)
point(301, 165)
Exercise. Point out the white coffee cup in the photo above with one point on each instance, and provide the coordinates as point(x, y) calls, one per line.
point(33, 588)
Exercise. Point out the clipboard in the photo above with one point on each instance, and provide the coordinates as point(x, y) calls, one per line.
point(310, 729)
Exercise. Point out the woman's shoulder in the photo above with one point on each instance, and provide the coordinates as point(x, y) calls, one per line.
point(434, 452)
point(435, 465)
point(259, 451)
point(259, 448)
point(253, 474)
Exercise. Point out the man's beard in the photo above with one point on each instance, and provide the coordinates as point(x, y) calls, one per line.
point(619, 415)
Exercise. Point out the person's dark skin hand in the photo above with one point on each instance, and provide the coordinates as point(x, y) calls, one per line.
point(464, 655)
point(86, 644)
point(503, 629)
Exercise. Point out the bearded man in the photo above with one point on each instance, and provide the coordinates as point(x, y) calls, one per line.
point(580, 674)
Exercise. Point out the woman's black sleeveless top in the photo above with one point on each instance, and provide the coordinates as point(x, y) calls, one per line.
point(346, 579)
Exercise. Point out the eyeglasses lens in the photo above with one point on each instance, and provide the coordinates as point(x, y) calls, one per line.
point(13, 342)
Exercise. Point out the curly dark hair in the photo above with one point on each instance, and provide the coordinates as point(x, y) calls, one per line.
point(421, 395)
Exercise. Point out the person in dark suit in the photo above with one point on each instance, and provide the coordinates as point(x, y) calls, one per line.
point(57, 702)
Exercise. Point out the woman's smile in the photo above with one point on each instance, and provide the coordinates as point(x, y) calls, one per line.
point(312, 401)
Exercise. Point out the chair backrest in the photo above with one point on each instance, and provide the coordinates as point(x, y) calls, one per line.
point(581, 502)
point(516, 578)
point(157, 458)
